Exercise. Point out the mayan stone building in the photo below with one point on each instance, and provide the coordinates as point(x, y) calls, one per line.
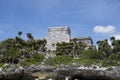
point(57, 35)
point(63, 34)
point(87, 40)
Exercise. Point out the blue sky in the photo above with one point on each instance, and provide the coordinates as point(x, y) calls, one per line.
point(99, 19)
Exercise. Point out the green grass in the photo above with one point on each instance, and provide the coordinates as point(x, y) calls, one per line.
point(85, 62)
point(35, 59)
point(59, 60)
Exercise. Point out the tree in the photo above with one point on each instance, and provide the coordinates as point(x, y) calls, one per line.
point(104, 47)
point(91, 53)
point(29, 36)
point(116, 46)
point(78, 47)
point(63, 48)
point(19, 42)
point(73, 48)
point(20, 33)
point(112, 38)
point(10, 51)
point(98, 42)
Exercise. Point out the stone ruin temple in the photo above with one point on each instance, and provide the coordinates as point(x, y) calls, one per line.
point(63, 34)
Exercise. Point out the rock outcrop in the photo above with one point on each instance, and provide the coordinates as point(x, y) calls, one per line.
point(59, 73)
point(88, 74)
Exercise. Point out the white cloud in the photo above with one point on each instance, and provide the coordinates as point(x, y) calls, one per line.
point(104, 29)
point(117, 36)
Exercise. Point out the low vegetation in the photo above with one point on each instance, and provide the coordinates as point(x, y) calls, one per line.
point(26, 52)
point(17, 50)
point(56, 61)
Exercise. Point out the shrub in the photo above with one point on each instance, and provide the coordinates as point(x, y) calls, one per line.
point(59, 60)
point(38, 57)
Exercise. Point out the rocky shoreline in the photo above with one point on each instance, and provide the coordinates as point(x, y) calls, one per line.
point(69, 73)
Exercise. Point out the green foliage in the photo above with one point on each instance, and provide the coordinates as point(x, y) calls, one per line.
point(116, 46)
point(59, 60)
point(72, 48)
point(85, 62)
point(29, 36)
point(20, 33)
point(90, 54)
point(104, 47)
point(109, 62)
point(118, 55)
point(27, 63)
point(29, 60)
point(100, 55)
point(115, 56)
point(5, 67)
point(1, 65)
point(63, 48)
point(38, 57)
point(12, 49)
point(51, 61)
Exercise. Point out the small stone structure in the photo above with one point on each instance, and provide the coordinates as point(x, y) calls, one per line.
point(87, 40)
point(63, 34)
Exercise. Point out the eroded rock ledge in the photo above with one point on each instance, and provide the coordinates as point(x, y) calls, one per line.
point(59, 73)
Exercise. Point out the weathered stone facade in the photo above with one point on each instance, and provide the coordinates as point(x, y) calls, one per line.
point(57, 35)
point(63, 34)
point(87, 40)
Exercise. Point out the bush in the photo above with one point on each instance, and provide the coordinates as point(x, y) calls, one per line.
point(109, 62)
point(59, 60)
point(38, 57)
point(25, 64)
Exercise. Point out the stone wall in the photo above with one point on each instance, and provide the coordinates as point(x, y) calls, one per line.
point(87, 40)
point(63, 34)
point(57, 35)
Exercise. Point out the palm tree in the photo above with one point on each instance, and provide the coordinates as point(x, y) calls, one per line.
point(29, 36)
point(20, 33)
point(112, 38)
point(98, 42)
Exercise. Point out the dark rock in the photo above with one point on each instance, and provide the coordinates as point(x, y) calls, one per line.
point(10, 69)
point(62, 73)
point(83, 74)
